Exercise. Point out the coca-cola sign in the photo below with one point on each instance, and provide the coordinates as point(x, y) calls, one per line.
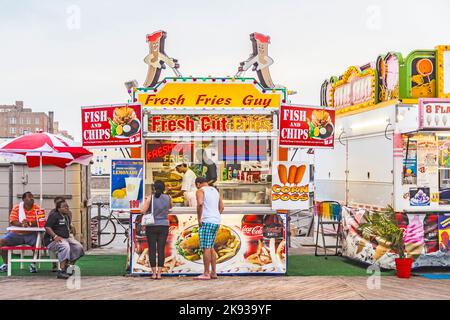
point(252, 230)
point(273, 231)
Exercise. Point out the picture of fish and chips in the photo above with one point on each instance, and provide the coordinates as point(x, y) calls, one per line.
point(320, 125)
point(226, 246)
point(124, 123)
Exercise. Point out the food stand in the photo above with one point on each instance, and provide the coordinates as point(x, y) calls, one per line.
point(393, 131)
point(232, 123)
point(225, 129)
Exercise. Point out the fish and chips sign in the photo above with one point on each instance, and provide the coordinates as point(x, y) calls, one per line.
point(209, 92)
point(112, 125)
point(306, 127)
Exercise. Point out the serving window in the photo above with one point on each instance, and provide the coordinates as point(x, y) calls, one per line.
point(240, 167)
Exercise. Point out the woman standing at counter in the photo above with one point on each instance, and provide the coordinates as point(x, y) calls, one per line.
point(157, 233)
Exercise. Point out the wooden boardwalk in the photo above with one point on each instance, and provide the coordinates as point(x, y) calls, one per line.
point(270, 288)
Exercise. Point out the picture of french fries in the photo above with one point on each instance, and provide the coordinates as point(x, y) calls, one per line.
point(143, 257)
point(281, 251)
point(228, 251)
point(170, 263)
point(261, 257)
point(282, 174)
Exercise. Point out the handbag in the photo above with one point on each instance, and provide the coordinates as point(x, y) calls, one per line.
point(148, 219)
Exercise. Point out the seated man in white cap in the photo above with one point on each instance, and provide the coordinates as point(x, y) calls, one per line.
point(188, 187)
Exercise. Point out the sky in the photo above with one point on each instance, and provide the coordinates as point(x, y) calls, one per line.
point(61, 55)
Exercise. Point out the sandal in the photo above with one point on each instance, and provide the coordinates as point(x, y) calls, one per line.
point(202, 277)
point(153, 276)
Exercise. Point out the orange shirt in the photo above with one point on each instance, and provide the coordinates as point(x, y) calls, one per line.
point(30, 214)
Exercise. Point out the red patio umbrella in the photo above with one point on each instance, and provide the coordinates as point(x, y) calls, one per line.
point(44, 148)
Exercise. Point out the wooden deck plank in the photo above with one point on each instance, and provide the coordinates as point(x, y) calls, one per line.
point(226, 288)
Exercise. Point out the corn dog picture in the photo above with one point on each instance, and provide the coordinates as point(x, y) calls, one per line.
point(299, 174)
point(282, 173)
point(292, 172)
point(289, 188)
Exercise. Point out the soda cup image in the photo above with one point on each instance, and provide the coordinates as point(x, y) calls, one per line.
point(40, 218)
point(132, 185)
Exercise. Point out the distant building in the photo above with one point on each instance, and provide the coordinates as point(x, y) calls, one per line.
point(15, 120)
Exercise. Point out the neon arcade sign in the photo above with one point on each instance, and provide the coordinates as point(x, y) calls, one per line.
point(356, 87)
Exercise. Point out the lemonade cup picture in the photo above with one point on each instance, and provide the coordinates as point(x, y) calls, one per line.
point(132, 185)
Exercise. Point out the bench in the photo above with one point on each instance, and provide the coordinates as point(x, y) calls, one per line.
point(35, 257)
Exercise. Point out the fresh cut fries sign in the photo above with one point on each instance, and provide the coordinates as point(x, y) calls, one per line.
point(290, 185)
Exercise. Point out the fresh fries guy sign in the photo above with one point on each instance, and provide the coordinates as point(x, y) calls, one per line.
point(212, 94)
point(306, 127)
point(112, 125)
point(290, 185)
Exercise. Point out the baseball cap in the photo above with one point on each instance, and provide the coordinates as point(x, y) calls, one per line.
point(179, 164)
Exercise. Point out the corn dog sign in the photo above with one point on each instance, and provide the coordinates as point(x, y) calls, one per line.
point(290, 185)
point(306, 127)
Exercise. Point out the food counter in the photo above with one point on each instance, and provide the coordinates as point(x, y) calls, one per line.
point(248, 242)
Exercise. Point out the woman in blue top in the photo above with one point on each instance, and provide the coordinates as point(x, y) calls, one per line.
point(157, 233)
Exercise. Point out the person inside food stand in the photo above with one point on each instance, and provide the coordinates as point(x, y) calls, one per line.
point(209, 168)
point(188, 188)
point(209, 209)
point(22, 215)
point(158, 232)
point(58, 239)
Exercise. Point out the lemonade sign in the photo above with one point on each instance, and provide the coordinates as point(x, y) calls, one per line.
point(127, 184)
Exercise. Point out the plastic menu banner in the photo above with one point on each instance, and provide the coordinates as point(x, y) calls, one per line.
point(306, 127)
point(290, 185)
point(245, 244)
point(127, 184)
point(427, 164)
point(112, 126)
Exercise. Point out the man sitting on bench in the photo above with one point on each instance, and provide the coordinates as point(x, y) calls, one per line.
point(58, 239)
point(22, 215)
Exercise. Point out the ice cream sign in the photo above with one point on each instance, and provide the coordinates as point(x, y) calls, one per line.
point(434, 113)
point(290, 186)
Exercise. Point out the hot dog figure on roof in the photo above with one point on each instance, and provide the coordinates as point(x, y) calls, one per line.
point(157, 58)
point(259, 59)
